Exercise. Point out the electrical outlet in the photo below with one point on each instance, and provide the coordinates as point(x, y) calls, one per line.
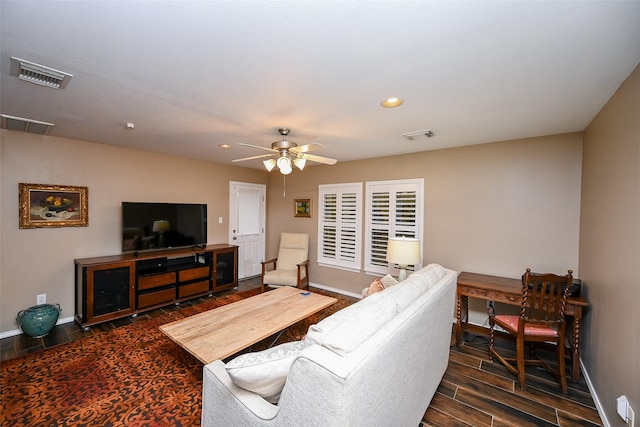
point(41, 299)
point(490, 307)
point(625, 411)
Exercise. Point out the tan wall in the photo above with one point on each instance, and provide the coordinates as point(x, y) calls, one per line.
point(482, 203)
point(493, 208)
point(610, 248)
point(36, 261)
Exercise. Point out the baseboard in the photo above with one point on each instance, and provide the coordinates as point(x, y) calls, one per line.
point(334, 290)
point(15, 332)
point(594, 396)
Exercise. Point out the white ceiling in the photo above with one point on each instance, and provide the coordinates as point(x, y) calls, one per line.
point(192, 75)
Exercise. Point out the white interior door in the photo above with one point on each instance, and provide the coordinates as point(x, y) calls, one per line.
point(246, 226)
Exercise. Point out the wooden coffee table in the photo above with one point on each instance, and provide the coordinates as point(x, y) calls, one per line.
point(224, 331)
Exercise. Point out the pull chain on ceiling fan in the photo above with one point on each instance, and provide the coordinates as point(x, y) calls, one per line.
point(286, 154)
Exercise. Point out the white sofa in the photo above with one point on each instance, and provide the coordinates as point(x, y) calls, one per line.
point(377, 362)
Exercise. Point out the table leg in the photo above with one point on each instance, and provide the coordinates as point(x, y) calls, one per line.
point(575, 349)
point(462, 305)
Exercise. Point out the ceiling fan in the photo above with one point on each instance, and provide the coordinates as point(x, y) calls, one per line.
point(285, 153)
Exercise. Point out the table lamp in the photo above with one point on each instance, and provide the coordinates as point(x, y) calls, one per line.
point(403, 251)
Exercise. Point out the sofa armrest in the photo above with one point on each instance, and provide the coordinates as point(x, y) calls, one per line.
point(224, 403)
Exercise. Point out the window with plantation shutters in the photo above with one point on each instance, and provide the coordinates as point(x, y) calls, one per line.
point(340, 226)
point(393, 209)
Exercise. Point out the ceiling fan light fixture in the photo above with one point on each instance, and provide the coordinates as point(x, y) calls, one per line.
point(269, 164)
point(286, 154)
point(286, 171)
point(300, 162)
point(284, 164)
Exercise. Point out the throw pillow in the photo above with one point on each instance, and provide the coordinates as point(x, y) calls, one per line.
point(388, 281)
point(375, 286)
point(265, 372)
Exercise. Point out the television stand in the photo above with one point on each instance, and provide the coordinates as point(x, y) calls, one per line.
point(112, 287)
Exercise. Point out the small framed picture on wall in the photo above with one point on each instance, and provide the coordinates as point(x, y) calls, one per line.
point(302, 208)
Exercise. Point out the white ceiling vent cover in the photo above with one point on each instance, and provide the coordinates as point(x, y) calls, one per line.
point(21, 124)
point(412, 136)
point(39, 74)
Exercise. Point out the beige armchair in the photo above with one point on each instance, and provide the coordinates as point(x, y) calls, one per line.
point(291, 267)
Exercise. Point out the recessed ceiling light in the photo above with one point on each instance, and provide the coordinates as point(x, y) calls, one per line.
point(224, 146)
point(392, 102)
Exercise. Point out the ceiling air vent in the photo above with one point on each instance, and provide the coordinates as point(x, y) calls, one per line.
point(39, 74)
point(411, 136)
point(21, 124)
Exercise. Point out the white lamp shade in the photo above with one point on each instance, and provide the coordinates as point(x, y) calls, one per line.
point(300, 162)
point(403, 251)
point(269, 164)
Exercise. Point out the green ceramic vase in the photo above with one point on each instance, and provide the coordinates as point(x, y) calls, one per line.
point(37, 321)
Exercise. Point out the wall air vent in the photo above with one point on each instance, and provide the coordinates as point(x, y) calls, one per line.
point(21, 124)
point(39, 74)
point(412, 136)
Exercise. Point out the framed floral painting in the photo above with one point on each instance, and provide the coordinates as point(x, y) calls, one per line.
point(44, 205)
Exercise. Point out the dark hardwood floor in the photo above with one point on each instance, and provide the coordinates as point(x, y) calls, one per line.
point(477, 392)
point(473, 392)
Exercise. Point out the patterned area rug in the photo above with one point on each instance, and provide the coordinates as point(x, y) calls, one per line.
point(131, 376)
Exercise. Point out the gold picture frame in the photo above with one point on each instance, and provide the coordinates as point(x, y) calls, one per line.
point(43, 205)
point(302, 208)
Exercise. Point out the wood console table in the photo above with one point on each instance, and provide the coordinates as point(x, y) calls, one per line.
point(509, 291)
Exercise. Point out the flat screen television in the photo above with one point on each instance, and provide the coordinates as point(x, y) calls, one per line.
point(152, 226)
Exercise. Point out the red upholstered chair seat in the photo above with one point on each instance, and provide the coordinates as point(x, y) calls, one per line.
point(510, 323)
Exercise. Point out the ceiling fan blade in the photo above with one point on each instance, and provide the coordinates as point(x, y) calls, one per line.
point(320, 159)
point(261, 156)
point(308, 147)
point(258, 146)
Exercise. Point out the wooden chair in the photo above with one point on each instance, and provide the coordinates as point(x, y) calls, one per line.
point(541, 319)
point(291, 267)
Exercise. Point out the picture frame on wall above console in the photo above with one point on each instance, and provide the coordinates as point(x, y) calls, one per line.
point(302, 208)
point(43, 205)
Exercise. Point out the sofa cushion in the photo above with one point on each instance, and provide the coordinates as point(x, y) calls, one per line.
point(265, 372)
point(414, 286)
point(430, 274)
point(345, 330)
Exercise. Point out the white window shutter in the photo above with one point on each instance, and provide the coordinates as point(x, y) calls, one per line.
point(340, 226)
point(394, 209)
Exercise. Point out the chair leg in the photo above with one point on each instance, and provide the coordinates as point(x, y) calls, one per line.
point(562, 376)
